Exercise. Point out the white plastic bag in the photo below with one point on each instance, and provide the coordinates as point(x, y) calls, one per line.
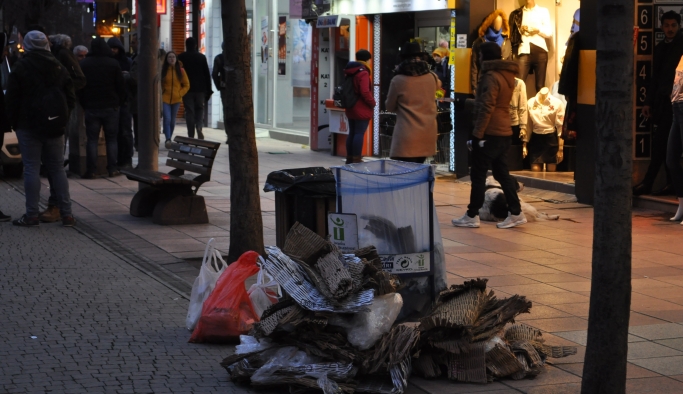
point(213, 266)
point(265, 292)
point(364, 329)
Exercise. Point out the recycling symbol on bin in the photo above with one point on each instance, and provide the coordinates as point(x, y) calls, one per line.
point(404, 262)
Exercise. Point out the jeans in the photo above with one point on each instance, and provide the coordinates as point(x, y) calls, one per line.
point(674, 149)
point(170, 113)
point(107, 119)
point(660, 138)
point(194, 113)
point(33, 147)
point(536, 60)
point(125, 137)
point(494, 156)
point(354, 141)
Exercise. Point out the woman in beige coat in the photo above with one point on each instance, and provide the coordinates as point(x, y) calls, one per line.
point(412, 97)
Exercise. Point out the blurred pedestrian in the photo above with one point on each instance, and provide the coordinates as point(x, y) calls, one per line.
point(126, 142)
point(218, 74)
point(39, 96)
point(197, 70)
point(103, 95)
point(4, 121)
point(412, 96)
point(80, 52)
point(362, 111)
point(174, 87)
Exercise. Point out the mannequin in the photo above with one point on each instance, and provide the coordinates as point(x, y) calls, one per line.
point(546, 115)
point(495, 28)
point(530, 26)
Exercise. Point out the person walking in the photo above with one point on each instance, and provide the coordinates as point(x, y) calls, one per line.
point(197, 70)
point(60, 46)
point(658, 106)
point(360, 114)
point(174, 87)
point(125, 140)
point(219, 79)
point(4, 121)
point(412, 96)
point(103, 95)
point(40, 95)
point(491, 137)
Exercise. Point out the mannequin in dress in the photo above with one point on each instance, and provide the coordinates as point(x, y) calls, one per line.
point(530, 26)
point(542, 137)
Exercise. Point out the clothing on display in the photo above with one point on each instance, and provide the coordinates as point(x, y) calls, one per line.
point(518, 111)
point(487, 33)
point(535, 18)
point(546, 116)
point(530, 28)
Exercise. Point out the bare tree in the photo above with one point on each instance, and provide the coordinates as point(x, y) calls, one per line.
point(605, 363)
point(246, 224)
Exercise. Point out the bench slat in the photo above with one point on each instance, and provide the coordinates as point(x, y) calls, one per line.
point(197, 142)
point(188, 167)
point(156, 178)
point(209, 153)
point(191, 159)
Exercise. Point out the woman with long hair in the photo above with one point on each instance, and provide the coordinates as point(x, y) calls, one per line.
point(174, 86)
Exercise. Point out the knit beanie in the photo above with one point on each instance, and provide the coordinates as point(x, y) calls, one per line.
point(441, 51)
point(363, 55)
point(491, 51)
point(35, 40)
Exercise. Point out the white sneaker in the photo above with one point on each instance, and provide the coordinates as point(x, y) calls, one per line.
point(466, 221)
point(512, 221)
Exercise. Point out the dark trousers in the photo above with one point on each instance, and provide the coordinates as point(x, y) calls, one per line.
point(107, 119)
point(492, 156)
point(135, 130)
point(674, 149)
point(354, 141)
point(660, 138)
point(125, 139)
point(537, 60)
point(194, 113)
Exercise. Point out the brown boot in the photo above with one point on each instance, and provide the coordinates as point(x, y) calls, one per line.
point(349, 159)
point(357, 159)
point(50, 215)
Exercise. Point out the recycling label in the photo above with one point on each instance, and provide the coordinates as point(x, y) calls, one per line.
point(343, 230)
point(406, 263)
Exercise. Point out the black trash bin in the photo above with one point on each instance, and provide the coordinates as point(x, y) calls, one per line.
point(303, 195)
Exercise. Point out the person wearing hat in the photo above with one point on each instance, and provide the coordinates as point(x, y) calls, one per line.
point(31, 81)
point(491, 137)
point(360, 114)
point(440, 56)
point(412, 95)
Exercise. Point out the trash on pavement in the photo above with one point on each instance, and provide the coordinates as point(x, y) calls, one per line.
point(213, 266)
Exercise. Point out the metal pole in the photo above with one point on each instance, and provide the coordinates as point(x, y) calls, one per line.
point(148, 91)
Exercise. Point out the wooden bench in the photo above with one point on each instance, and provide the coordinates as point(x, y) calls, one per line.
point(172, 198)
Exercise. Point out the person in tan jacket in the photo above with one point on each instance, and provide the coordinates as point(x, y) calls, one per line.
point(174, 85)
point(492, 136)
point(412, 96)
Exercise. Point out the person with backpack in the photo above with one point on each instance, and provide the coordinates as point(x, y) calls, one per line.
point(360, 105)
point(102, 97)
point(40, 95)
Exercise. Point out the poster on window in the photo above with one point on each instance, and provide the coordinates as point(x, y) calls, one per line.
point(662, 9)
point(264, 45)
point(301, 53)
point(282, 46)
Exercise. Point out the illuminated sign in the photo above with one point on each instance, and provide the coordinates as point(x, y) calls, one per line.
point(161, 6)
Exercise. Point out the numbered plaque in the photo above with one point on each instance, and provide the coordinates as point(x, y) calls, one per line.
point(642, 123)
point(642, 145)
point(644, 43)
point(645, 17)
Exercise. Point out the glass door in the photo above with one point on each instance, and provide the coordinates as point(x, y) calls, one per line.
point(263, 60)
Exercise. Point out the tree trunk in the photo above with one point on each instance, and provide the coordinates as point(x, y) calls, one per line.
point(605, 362)
point(246, 225)
point(148, 75)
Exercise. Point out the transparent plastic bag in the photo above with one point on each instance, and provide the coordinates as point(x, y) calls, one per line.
point(250, 344)
point(265, 292)
point(286, 357)
point(364, 329)
point(213, 266)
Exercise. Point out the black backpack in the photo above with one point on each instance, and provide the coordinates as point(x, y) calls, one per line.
point(49, 107)
point(345, 95)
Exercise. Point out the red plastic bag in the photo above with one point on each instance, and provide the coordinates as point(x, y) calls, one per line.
point(228, 312)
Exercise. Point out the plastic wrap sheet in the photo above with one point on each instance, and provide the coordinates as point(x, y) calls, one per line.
point(391, 200)
point(309, 182)
point(294, 280)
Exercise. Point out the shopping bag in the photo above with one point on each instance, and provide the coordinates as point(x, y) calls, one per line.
point(213, 266)
point(227, 312)
point(265, 292)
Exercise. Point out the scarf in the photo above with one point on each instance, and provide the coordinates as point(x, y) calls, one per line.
point(413, 68)
point(494, 36)
point(367, 67)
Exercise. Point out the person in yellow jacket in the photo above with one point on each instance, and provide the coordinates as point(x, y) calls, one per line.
point(174, 86)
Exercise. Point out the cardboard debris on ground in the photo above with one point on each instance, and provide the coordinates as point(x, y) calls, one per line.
point(303, 340)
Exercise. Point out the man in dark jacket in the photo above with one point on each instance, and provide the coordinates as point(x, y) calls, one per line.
point(4, 122)
point(126, 142)
point(658, 105)
point(197, 70)
point(218, 76)
point(492, 136)
point(103, 95)
point(32, 79)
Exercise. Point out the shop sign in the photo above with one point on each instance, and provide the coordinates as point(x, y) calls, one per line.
point(361, 7)
point(414, 263)
point(328, 21)
point(161, 6)
point(343, 230)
